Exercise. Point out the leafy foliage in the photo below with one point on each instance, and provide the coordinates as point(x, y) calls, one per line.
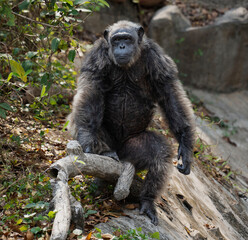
point(37, 51)
point(24, 203)
point(132, 234)
point(38, 48)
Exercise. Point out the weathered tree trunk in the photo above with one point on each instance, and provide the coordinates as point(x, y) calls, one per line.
point(77, 162)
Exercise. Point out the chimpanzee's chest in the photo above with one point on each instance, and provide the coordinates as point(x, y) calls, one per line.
point(128, 106)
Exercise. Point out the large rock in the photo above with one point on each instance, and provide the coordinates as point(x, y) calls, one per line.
point(213, 57)
point(165, 26)
point(231, 141)
point(194, 207)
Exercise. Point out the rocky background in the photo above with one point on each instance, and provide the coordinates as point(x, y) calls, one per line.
point(209, 42)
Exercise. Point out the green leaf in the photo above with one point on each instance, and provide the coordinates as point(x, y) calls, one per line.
point(10, 76)
point(17, 68)
point(51, 214)
point(43, 91)
point(229, 174)
point(44, 79)
point(74, 12)
point(55, 44)
point(24, 228)
point(155, 235)
point(2, 113)
point(53, 101)
point(30, 205)
point(98, 230)
point(78, 1)
point(27, 65)
point(71, 55)
point(104, 2)
point(82, 162)
point(16, 51)
point(29, 71)
point(35, 230)
point(31, 54)
point(6, 106)
point(89, 212)
point(200, 52)
point(9, 15)
point(69, 2)
point(180, 40)
point(99, 236)
point(17, 75)
point(19, 221)
point(66, 124)
point(73, 43)
point(24, 5)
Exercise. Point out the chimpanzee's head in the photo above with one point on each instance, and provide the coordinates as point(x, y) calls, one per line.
point(124, 39)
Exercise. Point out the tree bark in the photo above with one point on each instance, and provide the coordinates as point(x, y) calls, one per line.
point(62, 207)
point(77, 162)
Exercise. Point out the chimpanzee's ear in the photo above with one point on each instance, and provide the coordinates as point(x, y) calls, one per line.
point(105, 34)
point(140, 33)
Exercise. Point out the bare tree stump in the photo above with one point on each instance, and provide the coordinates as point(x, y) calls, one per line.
point(77, 162)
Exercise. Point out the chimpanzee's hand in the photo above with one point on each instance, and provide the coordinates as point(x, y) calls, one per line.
point(111, 154)
point(147, 207)
point(87, 141)
point(186, 159)
point(90, 146)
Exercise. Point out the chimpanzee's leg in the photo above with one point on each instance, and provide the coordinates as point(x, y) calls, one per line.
point(149, 151)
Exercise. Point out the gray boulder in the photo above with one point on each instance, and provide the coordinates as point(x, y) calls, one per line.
point(213, 57)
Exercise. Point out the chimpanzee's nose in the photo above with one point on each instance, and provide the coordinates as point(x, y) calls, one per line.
point(122, 46)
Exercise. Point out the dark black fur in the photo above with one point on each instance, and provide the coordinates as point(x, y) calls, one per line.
point(115, 103)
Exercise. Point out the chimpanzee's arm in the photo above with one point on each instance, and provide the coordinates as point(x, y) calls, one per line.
point(178, 113)
point(175, 105)
point(88, 103)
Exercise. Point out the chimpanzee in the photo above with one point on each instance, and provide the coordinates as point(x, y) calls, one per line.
point(123, 78)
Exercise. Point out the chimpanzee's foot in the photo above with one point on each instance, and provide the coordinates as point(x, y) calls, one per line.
point(147, 207)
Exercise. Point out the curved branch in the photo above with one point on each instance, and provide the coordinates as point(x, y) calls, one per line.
point(32, 20)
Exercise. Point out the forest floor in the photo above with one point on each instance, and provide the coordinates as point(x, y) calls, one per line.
point(29, 146)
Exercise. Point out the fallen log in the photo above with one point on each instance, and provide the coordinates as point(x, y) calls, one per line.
point(77, 162)
point(61, 201)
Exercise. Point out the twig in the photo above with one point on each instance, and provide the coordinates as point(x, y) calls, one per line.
point(6, 189)
point(32, 20)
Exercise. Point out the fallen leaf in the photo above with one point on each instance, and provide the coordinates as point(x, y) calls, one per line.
point(227, 139)
point(187, 230)
point(106, 205)
point(88, 236)
point(107, 236)
point(29, 235)
point(117, 233)
point(207, 226)
point(131, 206)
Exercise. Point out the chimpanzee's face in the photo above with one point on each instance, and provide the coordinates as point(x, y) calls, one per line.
point(123, 46)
